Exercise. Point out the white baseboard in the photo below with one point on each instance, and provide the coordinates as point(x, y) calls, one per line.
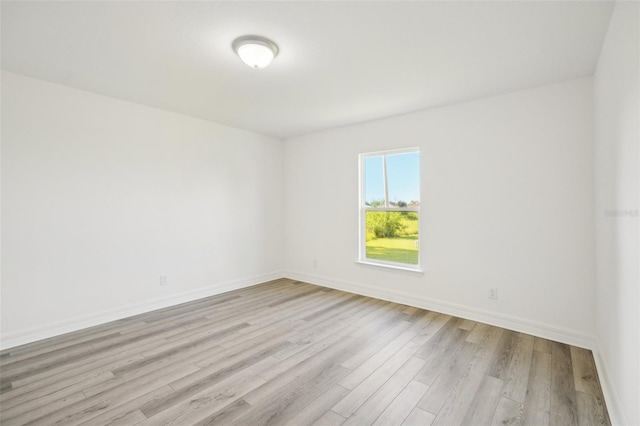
point(609, 391)
point(534, 328)
point(539, 329)
point(22, 337)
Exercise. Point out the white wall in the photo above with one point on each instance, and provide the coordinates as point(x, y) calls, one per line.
point(101, 197)
point(617, 136)
point(507, 201)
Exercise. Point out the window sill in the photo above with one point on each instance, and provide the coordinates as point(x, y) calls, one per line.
point(401, 269)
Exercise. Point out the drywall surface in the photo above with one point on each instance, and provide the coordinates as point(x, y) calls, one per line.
point(507, 202)
point(617, 160)
point(102, 197)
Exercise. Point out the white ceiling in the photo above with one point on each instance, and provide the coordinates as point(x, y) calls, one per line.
point(339, 63)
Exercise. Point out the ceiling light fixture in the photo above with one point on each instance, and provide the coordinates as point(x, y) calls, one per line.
point(255, 51)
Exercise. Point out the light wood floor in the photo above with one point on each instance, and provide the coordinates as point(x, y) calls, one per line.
point(286, 352)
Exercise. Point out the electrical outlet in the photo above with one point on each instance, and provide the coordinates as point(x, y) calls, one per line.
point(493, 293)
point(163, 281)
point(315, 263)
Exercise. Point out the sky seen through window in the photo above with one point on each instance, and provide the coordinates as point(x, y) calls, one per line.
point(403, 177)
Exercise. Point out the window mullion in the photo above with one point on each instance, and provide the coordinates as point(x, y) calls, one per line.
point(386, 186)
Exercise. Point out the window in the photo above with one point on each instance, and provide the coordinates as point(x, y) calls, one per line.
point(390, 208)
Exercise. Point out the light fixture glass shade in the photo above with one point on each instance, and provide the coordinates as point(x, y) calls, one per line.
point(255, 51)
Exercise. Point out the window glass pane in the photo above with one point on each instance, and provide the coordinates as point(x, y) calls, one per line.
point(373, 181)
point(403, 179)
point(392, 236)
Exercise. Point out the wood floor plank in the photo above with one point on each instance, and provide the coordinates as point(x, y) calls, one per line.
point(267, 340)
point(380, 400)
point(327, 357)
point(5, 387)
point(591, 410)
point(202, 379)
point(517, 374)
point(88, 408)
point(502, 356)
point(318, 407)
point(563, 410)
point(461, 397)
point(448, 335)
point(53, 355)
point(542, 345)
point(489, 342)
point(372, 364)
point(88, 362)
point(537, 404)
point(33, 411)
point(241, 310)
point(44, 396)
point(366, 324)
point(350, 403)
point(296, 309)
point(311, 332)
point(401, 407)
point(446, 377)
point(266, 334)
point(208, 402)
point(128, 419)
point(436, 322)
point(227, 415)
point(536, 417)
point(288, 352)
point(330, 310)
point(69, 377)
point(172, 351)
point(508, 413)
point(485, 401)
point(477, 333)
point(330, 418)
point(374, 347)
point(65, 340)
point(240, 342)
point(585, 376)
point(419, 417)
point(190, 336)
point(441, 354)
point(467, 325)
point(307, 328)
point(281, 406)
point(49, 402)
point(128, 410)
point(177, 361)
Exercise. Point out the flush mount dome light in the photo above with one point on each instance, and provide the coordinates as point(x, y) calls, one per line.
point(255, 51)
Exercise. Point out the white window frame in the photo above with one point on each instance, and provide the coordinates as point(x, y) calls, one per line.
point(363, 209)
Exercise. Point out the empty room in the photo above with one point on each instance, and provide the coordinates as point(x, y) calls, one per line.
point(320, 213)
